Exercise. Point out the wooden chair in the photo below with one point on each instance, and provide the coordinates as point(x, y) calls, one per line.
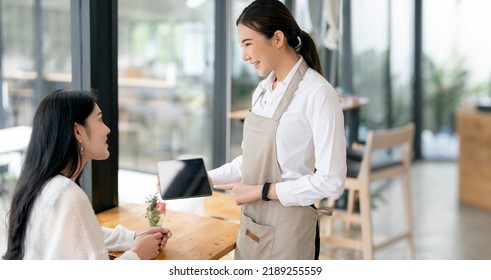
point(361, 176)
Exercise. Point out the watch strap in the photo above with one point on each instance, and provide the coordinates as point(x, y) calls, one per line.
point(265, 191)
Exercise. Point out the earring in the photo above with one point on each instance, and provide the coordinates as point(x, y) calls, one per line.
point(81, 149)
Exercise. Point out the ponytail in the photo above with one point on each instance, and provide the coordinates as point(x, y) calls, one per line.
point(308, 50)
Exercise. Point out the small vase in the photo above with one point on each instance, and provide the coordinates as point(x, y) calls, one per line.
point(153, 218)
point(162, 220)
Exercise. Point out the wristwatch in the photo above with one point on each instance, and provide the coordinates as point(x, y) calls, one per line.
point(265, 191)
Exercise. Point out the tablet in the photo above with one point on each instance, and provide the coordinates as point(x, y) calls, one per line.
point(184, 178)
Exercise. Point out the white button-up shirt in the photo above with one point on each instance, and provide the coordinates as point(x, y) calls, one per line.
point(310, 135)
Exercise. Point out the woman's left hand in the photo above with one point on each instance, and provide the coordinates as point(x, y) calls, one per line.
point(243, 193)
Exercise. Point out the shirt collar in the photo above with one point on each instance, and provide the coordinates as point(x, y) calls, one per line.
point(268, 82)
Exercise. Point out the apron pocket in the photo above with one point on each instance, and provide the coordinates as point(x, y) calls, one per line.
point(255, 241)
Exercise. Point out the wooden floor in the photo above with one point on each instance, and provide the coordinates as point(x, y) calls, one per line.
point(444, 229)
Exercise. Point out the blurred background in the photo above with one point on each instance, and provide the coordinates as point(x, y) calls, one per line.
point(167, 92)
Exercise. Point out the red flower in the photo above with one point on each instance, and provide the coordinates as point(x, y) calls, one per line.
point(160, 207)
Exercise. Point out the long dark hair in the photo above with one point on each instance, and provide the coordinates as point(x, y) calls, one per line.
point(269, 16)
point(52, 148)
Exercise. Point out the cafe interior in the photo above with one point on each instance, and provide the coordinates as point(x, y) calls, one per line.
point(414, 78)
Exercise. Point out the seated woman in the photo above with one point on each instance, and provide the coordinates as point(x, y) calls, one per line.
point(51, 217)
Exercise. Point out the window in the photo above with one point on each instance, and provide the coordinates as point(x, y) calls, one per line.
point(166, 69)
point(455, 69)
point(167, 91)
point(28, 72)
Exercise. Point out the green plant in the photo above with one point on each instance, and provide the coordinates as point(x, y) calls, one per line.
point(8, 180)
point(369, 81)
point(156, 210)
point(444, 86)
point(482, 89)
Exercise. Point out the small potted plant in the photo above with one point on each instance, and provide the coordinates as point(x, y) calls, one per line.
point(156, 210)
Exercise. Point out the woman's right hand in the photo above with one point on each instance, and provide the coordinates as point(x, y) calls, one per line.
point(166, 234)
point(147, 246)
point(244, 193)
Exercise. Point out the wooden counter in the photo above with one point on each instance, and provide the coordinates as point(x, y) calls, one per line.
point(193, 237)
point(474, 129)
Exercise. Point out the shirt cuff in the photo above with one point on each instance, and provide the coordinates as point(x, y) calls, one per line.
point(128, 255)
point(298, 192)
point(285, 194)
point(118, 239)
point(216, 176)
point(128, 236)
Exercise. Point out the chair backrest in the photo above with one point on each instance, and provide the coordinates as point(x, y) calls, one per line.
point(387, 149)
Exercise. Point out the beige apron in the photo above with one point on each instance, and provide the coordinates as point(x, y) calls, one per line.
point(269, 230)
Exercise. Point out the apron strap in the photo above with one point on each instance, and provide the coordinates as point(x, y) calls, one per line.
point(292, 88)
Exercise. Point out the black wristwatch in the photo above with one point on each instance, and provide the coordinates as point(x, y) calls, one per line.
point(265, 191)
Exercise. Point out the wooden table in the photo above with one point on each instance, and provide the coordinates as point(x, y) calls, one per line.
point(193, 237)
point(222, 205)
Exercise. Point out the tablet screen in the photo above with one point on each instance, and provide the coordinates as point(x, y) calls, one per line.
point(183, 179)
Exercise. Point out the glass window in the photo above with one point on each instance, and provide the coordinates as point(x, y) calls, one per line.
point(244, 81)
point(455, 68)
point(401, 63)
point(165, 64)
point(36, 59)
point(370, 45)
point(382, 33)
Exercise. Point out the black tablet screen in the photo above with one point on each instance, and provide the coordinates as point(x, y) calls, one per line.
point(183, 179)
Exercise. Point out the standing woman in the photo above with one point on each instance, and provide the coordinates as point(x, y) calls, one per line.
point(51, 217)
point(293, 149)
